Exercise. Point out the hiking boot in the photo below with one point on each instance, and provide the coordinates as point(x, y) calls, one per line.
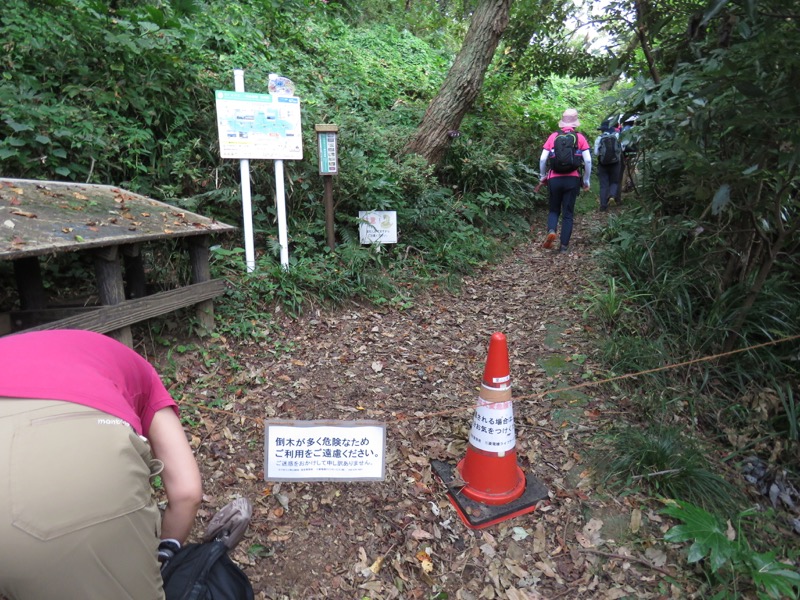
point(548, 241)
point(563, 250)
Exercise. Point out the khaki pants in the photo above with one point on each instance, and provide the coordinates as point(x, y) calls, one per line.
point(77, 516)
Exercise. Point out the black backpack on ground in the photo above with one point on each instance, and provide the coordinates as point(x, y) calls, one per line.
point(610, 150)
point(566, 157)
point(205, 572)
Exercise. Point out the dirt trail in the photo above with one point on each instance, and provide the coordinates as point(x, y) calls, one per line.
point(418, 371)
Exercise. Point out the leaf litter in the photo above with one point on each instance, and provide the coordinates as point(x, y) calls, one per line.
point(419, 371)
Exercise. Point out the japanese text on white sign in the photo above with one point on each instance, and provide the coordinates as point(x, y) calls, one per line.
point(493, 426)
point(324, 451)
point(377, 226)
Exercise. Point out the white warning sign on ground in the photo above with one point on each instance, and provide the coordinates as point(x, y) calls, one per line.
point(324, 451)
point(377, 226)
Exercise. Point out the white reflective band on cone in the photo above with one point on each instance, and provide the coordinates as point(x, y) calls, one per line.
point(493, 425)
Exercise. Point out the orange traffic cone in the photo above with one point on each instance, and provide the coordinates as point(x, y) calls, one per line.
point(488, 486)
point(490, 465)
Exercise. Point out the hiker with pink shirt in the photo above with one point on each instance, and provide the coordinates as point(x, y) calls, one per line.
point(85, 424)
point(565, 153)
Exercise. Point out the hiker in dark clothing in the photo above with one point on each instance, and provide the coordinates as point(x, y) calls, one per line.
point(608, 150)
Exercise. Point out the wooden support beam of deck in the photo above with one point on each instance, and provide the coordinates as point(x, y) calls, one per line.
point(109, 318)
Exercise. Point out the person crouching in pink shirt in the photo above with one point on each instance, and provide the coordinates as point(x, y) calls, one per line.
point(85, 423)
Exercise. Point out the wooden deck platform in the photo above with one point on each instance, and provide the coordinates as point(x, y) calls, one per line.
point(41, 218)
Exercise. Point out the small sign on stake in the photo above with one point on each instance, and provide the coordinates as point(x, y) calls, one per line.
point(377, 226)
point(324, 450)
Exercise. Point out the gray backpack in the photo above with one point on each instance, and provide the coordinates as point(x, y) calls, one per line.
point(610, 150)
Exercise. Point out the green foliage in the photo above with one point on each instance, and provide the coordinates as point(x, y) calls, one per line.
point(727, 555)
point(711, 258)
point(609, 302)
point(85, 96)
point(541, 41)
point(668, 463)
point(706, 532)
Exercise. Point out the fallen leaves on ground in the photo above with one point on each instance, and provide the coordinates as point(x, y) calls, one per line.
point(419, 371)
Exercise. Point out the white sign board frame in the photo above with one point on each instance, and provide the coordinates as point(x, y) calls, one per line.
point(259, 126)
point(324, 450)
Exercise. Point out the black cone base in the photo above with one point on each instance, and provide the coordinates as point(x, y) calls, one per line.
point(477, 515)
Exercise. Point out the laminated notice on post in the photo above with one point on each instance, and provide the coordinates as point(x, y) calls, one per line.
point(493, 424)
point(259, 126)
point(377, 226)
point(324, 450)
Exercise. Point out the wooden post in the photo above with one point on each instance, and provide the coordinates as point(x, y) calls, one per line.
point(110, 287)
point(136, 286)
point(330, 232)
point(201, 272)
point(28, 275)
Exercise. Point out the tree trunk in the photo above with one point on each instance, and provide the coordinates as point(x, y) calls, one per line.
point(642, 10)
point(463, 82)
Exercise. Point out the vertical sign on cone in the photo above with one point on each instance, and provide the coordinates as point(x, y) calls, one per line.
point(488, 486)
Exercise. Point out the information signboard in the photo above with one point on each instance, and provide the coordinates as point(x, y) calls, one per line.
point(327, 153)
point(259, 126)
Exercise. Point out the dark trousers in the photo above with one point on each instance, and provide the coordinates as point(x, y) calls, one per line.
point(609, 176)
point(563, 193)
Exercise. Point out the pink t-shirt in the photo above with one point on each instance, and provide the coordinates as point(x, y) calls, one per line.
point(549, 145)
point(85, 368)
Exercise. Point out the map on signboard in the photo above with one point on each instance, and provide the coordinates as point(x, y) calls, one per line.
point(259, 126)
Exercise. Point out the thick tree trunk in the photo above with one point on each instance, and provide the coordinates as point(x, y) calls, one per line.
point(463, 82)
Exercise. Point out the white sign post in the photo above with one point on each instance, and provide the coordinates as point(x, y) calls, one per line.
point(260, 126)
point(247, 207)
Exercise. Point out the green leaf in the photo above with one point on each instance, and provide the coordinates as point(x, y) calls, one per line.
point(260, 551)
point(776, 578)
point(17, 127)
point(708, 533)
